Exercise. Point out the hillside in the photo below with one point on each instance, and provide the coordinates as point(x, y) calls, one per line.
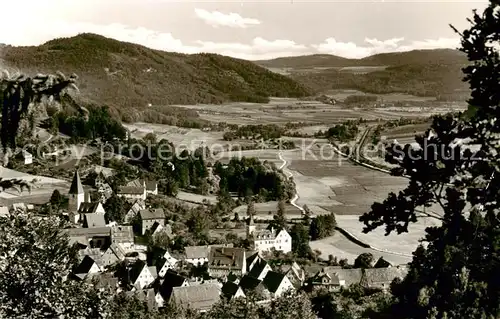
point(438, 56)
point(432, 73)
point(431, 80)
point(128, 77)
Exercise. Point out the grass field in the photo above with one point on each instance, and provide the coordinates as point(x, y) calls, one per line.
point(40, 193)
point(404, 243)
point(341, 247)
point(282, 110)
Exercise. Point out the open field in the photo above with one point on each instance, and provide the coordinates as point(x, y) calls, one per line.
point(341, 247)
point(190, 138)
point(195, 198)
point(282, 110)
point(404, 243)
point(40, 193)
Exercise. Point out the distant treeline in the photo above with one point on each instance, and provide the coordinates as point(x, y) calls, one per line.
point(360, 99)
point(443, 81)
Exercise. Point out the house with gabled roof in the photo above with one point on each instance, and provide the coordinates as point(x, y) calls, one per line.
point(382, 263)
point(93, 220)
point(94, 253)
point(266, 240)
point(199, 297)
point(112, 255)
point(86, 267)
point(231, 290)
point(151, 216)
point(165, 263)
point(103, 188)
point(259, 269)
point(134, 210)
point(145, 295)
point(106, 282)
point(165, 286)
point(295, 273)
point(140, 275)
point(92, 208)
point(333, 278)
point(198, 255)
point(224, 260)
point(132, 192)
point(277, 284)
point(381, 278)
point(151, 187)
point(123, 236)
point(99, 237)
point(255, 287)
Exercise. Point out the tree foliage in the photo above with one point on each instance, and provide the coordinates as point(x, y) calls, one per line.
point(364, 260)
point(36, 259)
point(99, 124)
point(116, 209)
point(456, 274)
point(249, 176)
point(18, 92)
point(322, 226)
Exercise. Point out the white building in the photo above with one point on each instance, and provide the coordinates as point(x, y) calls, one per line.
point(265, 240)
point(198, 255)
point(28, 158)
point(166, 263)
point(141, 275)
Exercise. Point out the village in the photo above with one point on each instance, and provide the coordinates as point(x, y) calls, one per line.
point(110, 256)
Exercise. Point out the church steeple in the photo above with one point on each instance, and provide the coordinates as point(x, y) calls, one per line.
point(76, 185)
point(76, 195)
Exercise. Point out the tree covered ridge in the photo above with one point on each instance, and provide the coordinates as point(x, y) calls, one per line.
point(439, 56)
point(442, 81)
point(455, 275)
point(128, 76)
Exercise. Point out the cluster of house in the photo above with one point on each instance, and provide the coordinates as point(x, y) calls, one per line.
point(111, 258)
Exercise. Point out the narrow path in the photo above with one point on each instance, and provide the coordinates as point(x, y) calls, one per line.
point(286, 171)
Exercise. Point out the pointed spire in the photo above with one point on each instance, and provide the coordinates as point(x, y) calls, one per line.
point(250, 220)
point(76, 185)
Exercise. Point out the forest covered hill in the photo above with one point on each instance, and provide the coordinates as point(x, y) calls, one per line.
point(434, 73)
point(128, 77)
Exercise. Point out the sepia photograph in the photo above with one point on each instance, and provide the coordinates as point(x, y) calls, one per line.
point(250, 159)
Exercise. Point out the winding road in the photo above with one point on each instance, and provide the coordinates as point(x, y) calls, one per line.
point(290, 175)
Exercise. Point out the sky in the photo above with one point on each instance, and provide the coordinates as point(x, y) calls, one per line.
point(250, 30)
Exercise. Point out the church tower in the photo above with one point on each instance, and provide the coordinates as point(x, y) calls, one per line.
point(76, 193)
point(250, 226)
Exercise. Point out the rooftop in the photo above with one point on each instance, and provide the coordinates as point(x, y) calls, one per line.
point(131, 190)
point(94, 220)
point(229, 257)
point(76, 185)
point(199, 297)
point(195, 252)
point(156, 213)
